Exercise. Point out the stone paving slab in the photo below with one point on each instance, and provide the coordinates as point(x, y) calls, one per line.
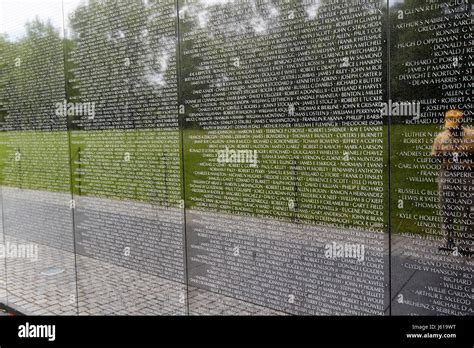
point(103, 288)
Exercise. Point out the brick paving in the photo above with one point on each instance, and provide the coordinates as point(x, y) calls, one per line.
point(103, 289)
point(87, 285)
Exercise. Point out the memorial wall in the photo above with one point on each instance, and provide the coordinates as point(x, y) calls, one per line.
point(239, 157)
point(431, 64)
point(283, 143)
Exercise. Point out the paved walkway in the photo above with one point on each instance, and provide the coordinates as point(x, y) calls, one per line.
point(93, 286)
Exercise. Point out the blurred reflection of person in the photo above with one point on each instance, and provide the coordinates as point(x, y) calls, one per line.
point(454, 147)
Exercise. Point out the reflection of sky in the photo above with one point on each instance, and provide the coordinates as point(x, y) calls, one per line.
point(14, 14)
point(215, 2)
point(70, 6)
point(394, 2)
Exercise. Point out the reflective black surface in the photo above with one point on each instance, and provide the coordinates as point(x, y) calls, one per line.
point(237, 157)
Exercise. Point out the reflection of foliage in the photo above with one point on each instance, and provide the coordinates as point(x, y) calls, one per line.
point(33, 78)
point(259, 33)
point(404, 90)
point(122, 56)
point(4, 49)
point(399, 89)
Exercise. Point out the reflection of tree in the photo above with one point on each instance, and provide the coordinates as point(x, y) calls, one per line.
point(33, 78)
point(237, 46)
point(5, 49)
point(247, 31)
point(122, 56)
point(404, 90)
point(399, 56)
point(224, 42)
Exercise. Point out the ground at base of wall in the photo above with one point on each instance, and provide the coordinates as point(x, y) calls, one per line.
point(5, 310)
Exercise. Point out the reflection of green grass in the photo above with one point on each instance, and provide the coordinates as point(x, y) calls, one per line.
point(142, 165)
point(153, 174)
point(3, 156)
point(400, 176)
point(277, 192)
point(35, 160)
